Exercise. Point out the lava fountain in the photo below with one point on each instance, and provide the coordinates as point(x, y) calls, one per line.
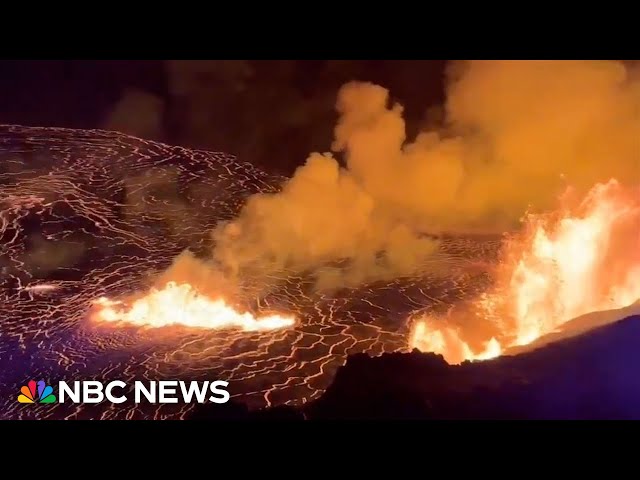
point(181, 304)
point(583, 258)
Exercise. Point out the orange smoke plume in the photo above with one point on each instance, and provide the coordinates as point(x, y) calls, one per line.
point(516, 134)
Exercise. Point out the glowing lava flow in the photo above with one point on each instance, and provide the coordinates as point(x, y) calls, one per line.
point(564, 265)
point(182, 305)
point(447, 342)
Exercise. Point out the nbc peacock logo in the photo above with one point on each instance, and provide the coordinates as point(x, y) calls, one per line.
point(42, 394)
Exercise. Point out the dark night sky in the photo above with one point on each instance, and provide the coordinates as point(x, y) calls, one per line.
point(70, 93)
point(248, 108)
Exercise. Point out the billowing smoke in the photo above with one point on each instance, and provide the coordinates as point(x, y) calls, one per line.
point(322, 215)
point(515, 134)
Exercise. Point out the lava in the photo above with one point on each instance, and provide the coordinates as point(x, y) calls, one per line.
point(43, 287)
point(563, 265)
point(181, 304)
point(447, 341)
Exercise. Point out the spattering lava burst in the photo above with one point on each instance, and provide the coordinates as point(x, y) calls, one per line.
point(447, 342)
point(180, 304)
point(575, 261)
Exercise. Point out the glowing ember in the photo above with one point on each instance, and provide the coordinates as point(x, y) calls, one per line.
point(43, 287)
point(447, 342)
point(182, 305)
point(564, 265)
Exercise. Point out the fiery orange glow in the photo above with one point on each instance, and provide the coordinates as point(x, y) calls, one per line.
point(566, 264)
point(447, 342)
point(180, 304)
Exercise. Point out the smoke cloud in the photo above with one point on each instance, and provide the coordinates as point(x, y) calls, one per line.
point(137, 113)
point(515, 134)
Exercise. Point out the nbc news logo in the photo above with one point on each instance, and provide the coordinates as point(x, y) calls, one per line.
point(92, 391)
